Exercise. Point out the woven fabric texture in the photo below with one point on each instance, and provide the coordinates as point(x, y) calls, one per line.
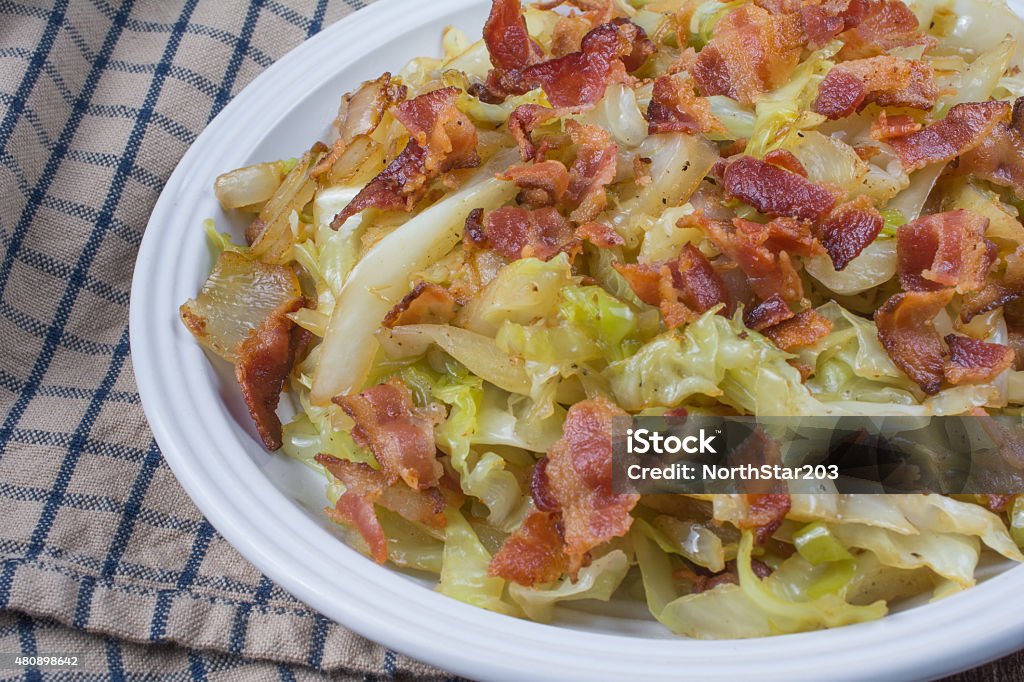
point(101, 552)
point(98, 102)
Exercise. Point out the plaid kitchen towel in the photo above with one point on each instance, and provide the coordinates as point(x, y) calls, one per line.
point(98, 102)
point(101, 552)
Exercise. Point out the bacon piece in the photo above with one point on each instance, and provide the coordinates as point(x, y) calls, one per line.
point(580, 78)
point(534, 553)
point(364, 487)
point(783, 158)
point(675, 107)
point(593, 168)
point(974, 361)
point(522, 122)
point(885, 80)
point(600, 235)
point(761, 252)
point(540, 488)
point(508, 42)
point(357, 512)
point(427, 303)
point(805, 329)
point(264, 360)
point(997, 293)
point(907, 331)
point(442, 138)
point(884, 24)
point(765, 513)
point(768, 313)
point(400, 436)
point(682, 289)
point(888, 127)
point(543, 183)
point(823, 22)
point(579, 473)
point(775, 191)
point(944, 250)
point(520, 233)
point(750, 53)
point(999, 158)
point(964, 128)
point(848, 229)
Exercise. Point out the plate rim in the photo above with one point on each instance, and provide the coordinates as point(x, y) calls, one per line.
point(260, 521)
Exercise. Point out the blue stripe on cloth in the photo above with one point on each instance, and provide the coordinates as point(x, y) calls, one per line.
point(389, 662)
point(241, 625)
point(285, 673)
point(158, 625)
point(35, 67)
point(35, 200)
point(27, 641)
point(318, 18)
point(115, 659)
point(196, 667)
point(252, 15)
point(317, 641)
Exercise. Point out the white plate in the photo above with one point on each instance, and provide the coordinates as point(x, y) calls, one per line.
point(268, 506)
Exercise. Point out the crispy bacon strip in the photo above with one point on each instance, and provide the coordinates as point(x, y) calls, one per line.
point(508, 42)
point(264, 361)
point(768, 313)
point(907, 332)
point(974, 361)
point(885, 80)
point(543, 183)
point(775, 191)
point(521, 233)
point(763, 252)
point(783, 158)
point(534, 553)
point(883, 25)
point(848, 229)
point(997, 293)
point(364, 487)
point(750, 53)
point(682, 289)
point(944, 250)
point(805, 329)
point(765, 513)
point(823, 22)
point(599, 234)
point(442, 138)
point(964, 128)
point(675, 107)
point(999, 158)
point(357, 512)
point(579, 475)
point(400, 436)
point(579, 79)
point(427, 303)
point(593, 168)
point(522, 122)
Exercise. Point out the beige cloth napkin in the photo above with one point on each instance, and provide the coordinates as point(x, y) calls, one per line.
point(101, 552)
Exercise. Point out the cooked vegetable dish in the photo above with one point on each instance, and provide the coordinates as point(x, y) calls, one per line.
point(657, 207)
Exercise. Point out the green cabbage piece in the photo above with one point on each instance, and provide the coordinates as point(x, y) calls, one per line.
point(754, 608)
point(717, 357)
point(464, 568)
point(597, 581)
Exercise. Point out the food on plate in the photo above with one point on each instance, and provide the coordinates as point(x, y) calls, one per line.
point(604, 208)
